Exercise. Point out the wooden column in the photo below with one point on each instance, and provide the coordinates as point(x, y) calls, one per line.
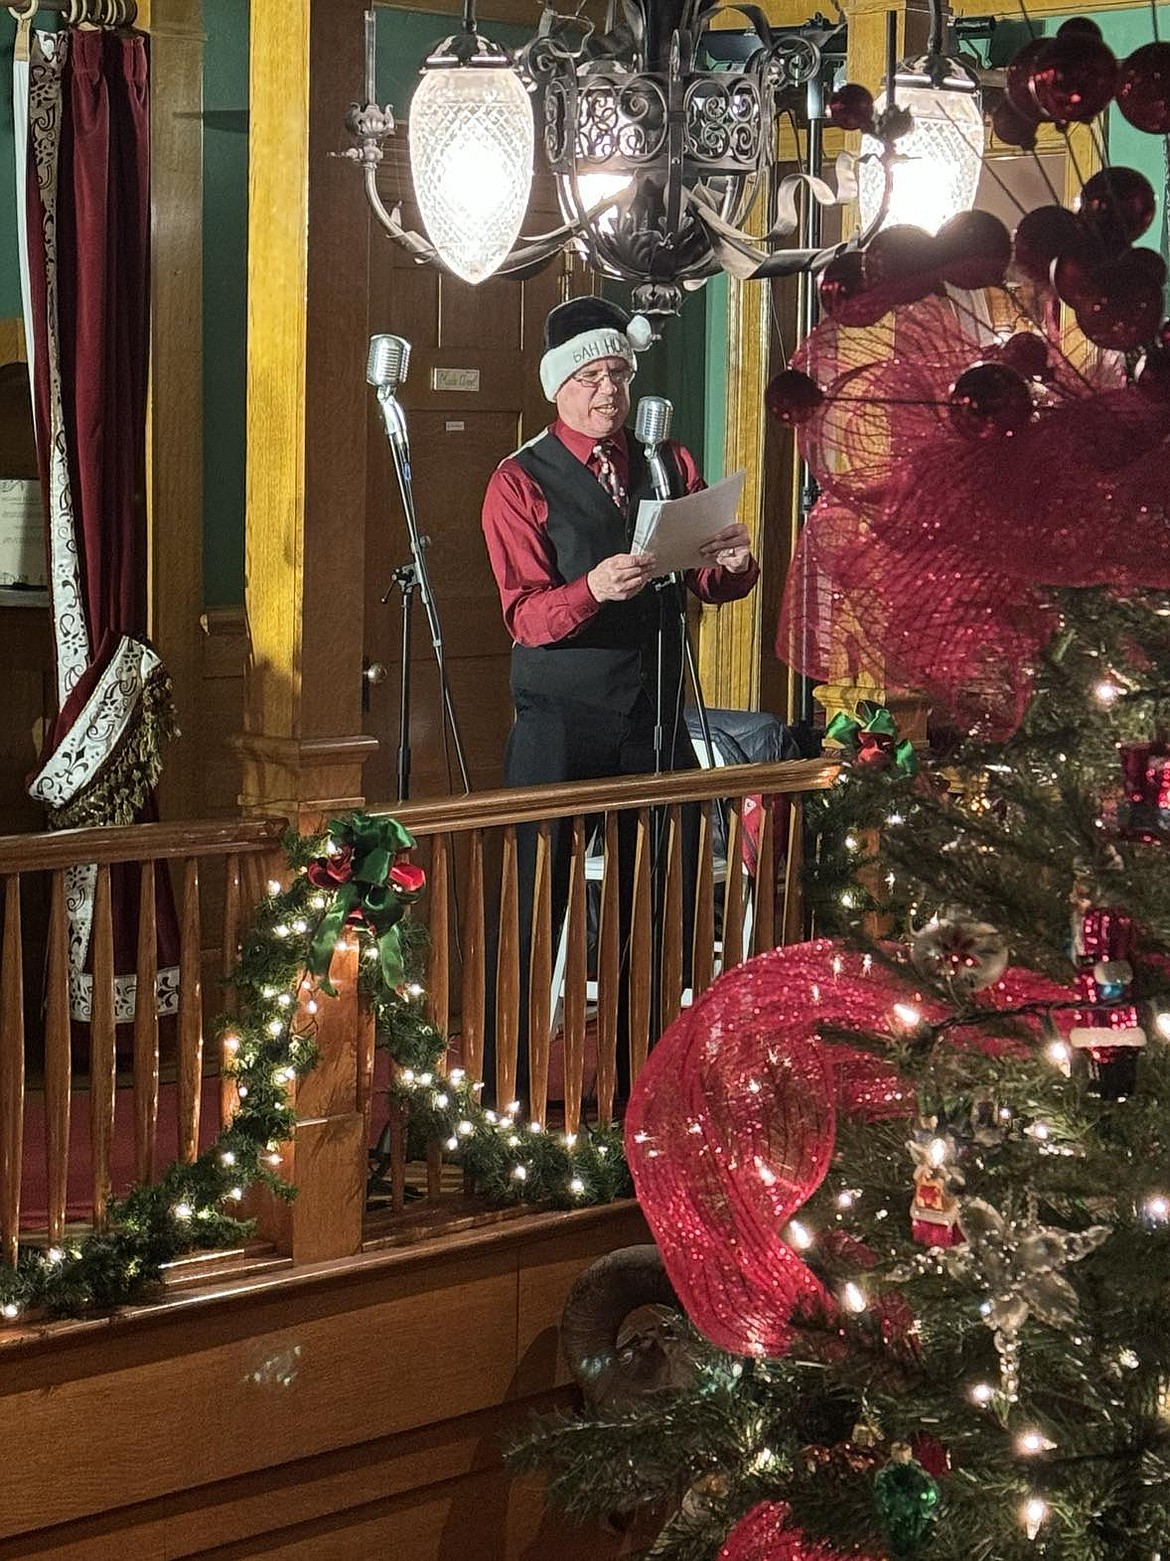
point(302, 745)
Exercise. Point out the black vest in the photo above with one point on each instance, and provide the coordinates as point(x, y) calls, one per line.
point(613, 657)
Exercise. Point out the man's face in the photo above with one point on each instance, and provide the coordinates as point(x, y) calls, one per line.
point(596, 399)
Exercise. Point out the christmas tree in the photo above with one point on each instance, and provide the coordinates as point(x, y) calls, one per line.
point(910, 1180)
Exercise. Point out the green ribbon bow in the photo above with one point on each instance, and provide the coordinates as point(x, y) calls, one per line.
point(374, 843)
point(871, 738)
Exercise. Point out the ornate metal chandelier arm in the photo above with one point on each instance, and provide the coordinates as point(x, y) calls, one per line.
point(539, 248)
point(422, 250)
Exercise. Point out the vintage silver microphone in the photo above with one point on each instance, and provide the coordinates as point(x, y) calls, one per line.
point(386, 369)
point(652, 429)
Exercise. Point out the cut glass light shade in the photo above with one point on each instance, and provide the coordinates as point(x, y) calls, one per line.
point(471, 144)
point(937, 172)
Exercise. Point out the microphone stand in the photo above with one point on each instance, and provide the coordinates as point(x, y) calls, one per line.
point(409, 578)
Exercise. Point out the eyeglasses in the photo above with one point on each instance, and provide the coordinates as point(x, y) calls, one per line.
point(592, 378)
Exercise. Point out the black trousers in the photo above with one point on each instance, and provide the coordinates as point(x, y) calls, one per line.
point(550, 744)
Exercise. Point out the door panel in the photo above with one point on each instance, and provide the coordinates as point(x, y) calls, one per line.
point(492, 335)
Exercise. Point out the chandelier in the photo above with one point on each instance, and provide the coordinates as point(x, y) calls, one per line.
point(660, 132)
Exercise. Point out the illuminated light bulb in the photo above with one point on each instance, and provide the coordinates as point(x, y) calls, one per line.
point(1038, 1130)
point(1157, 1208)
point(1031, 1442)
point(513, 1142)
point(426, 1078)
point(282, 930)
point(1106, 692)
point(890, 880)
point(851, 842)
point(465, 1128)
point(766, 1173)
point(603, 1150)
point(907, 1015)
point(1129, 1359)
point(182, 1210)
point(520, 1173)
point(236, 1194)
point(853, 1297)
point(1059, 1054)
point(1162, 1025)
point(754, 1084)
point(457, 1075)
point(370, 951)
point(471, 142)
point(452, 1143)
point(442, 1101)
point(895, 818)
point(514, 1108)
point(939, 158)
point(568, 1139)
point(535, 1127)
point(799, 1236)
point(311, 1005)
point(318, 902)
point(577, 1186)
point(285, 1000)
point(231, 1043)
point(1032, 1515)
point(846, 1199)
point(764, 1459)
point(273, 1159)
point(414, 989)
point(242, 1091)
point(408, 1075)
point(848, 900)
point(982, 1393)
point(227, 1157)
point(274, 1026)
point(300, 925)
point(10, 1310)
point(331, 847)
point(274, 886)
point(938, 1151)
point(268, 992)
point(491, 1117)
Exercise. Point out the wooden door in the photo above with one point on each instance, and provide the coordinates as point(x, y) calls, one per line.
point(471, 396)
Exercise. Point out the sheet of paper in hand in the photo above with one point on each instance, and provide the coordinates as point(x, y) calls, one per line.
point(674, 530)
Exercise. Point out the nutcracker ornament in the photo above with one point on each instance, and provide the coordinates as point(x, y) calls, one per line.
point(1106, 1034)
point(934, 1208)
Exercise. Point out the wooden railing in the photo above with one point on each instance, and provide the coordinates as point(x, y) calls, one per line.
point(215, 870)
point(470, 848)
point(149, 1092)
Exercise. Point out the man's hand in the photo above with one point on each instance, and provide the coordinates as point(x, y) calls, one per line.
point(621, 576)
point(731, 548)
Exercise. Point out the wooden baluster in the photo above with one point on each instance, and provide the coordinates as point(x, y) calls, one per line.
point(576, 979)
point(703, 944)
point(11, 1071)
point(102, 1048)
point(608, 972)
point(397, 1128)
point(641, 935)
point(764, 921)
point(473, 960)
point(508, 974)
point(190, 1081)
point(792, 929)
point(58, 1062)
point(438, 926)
point(540, 978)
point(671, 931)
point(228, 1098)
point(733, 889)
point(146, 1029)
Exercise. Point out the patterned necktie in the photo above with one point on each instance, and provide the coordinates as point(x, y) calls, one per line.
point(607, 473)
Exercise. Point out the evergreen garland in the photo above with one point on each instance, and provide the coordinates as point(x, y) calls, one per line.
point(271, 1041)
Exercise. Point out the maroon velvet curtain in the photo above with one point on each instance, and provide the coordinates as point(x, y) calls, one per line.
point(89, 267)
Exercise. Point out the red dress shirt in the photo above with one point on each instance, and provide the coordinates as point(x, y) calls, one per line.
point(539, 607)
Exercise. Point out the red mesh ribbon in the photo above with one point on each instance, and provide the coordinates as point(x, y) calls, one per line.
point(929, 553)
point(731, 1125)
point(765, 1534)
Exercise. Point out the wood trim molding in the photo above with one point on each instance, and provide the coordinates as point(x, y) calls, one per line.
point(12, 343)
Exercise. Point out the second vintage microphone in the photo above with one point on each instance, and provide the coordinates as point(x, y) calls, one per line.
point(651, 430)
point(386, 369)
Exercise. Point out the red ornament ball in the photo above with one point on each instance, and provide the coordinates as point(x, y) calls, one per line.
point(1013, 128)
point(1074, 77)
point(1041, 237)
point(851, 107)
point(1125, 308)
point(792, 397)
point(1079, 24)
point(973, 250)
point(989, 401)
point(843, 293)
point(1018, 80)
point(904, 256)
point(1027, 353)
point(1076, 279)
point(1118, 205)
point(1143, 88)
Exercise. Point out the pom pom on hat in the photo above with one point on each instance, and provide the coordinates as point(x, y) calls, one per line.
point(584, 329)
